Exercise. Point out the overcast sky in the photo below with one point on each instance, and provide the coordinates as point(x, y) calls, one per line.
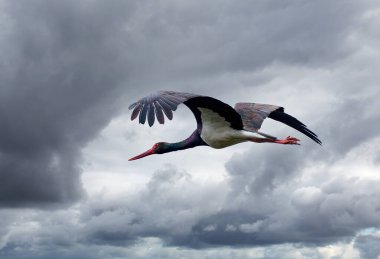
point(69, 70)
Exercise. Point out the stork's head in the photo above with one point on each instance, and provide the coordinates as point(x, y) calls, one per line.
point(158, 148)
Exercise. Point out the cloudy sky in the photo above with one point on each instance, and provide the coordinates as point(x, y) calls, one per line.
point(69, 69)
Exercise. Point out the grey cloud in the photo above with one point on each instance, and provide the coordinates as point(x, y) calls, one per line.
point(65, 64)
point(262, 168)
point(61, 77)
point(167, 208)
point(229, 228)
point(265, 181)
point(45, 230)
point(368, 245)
point(173, 208)
point(68, 65)
point(176, 209)
point(349, 124)
point(197, 39)
point(326, 219)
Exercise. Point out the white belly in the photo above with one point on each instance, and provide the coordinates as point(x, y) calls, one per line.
point(217, 133)
point(222, 139)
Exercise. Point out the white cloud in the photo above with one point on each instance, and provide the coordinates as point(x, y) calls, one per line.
point(251, 227)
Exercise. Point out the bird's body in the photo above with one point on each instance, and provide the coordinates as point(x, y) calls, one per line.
point(217, 133)
point(218, 124)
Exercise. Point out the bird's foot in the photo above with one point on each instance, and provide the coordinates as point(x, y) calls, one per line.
point(288, 141)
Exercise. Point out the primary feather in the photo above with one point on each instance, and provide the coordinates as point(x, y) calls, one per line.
point(158, 104)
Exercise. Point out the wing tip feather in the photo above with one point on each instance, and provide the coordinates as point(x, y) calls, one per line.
point(295, 124)
point(158, 105)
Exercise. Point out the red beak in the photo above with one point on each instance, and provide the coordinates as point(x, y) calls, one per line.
point(146, 153)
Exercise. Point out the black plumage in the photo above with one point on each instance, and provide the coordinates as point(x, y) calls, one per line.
point(281, 116)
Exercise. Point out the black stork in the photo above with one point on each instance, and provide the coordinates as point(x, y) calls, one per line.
point(218, 124)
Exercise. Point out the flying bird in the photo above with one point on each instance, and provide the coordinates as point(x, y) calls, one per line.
point(218, 124)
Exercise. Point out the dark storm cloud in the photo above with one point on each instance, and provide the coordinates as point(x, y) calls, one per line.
point(175, 209)
point(60, 76)
point(64, 63)
point(180, 40)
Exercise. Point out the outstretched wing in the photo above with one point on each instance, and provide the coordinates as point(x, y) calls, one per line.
point(158, 104)
point(253, 115)
point(165, 102)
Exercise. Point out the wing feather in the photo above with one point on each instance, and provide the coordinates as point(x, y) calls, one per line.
point(157, 104)
point(159, 113)
point(151, 114)
point(168, 113)
point(143, 112)
point(169, 103)
point(280, 115)
point(253, 115)
point(133, 105)
point(136, 111)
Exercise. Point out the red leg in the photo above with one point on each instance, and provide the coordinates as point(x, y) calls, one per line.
point(288, 141)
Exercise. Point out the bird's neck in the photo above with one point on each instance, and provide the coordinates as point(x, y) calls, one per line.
point(193, 141)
